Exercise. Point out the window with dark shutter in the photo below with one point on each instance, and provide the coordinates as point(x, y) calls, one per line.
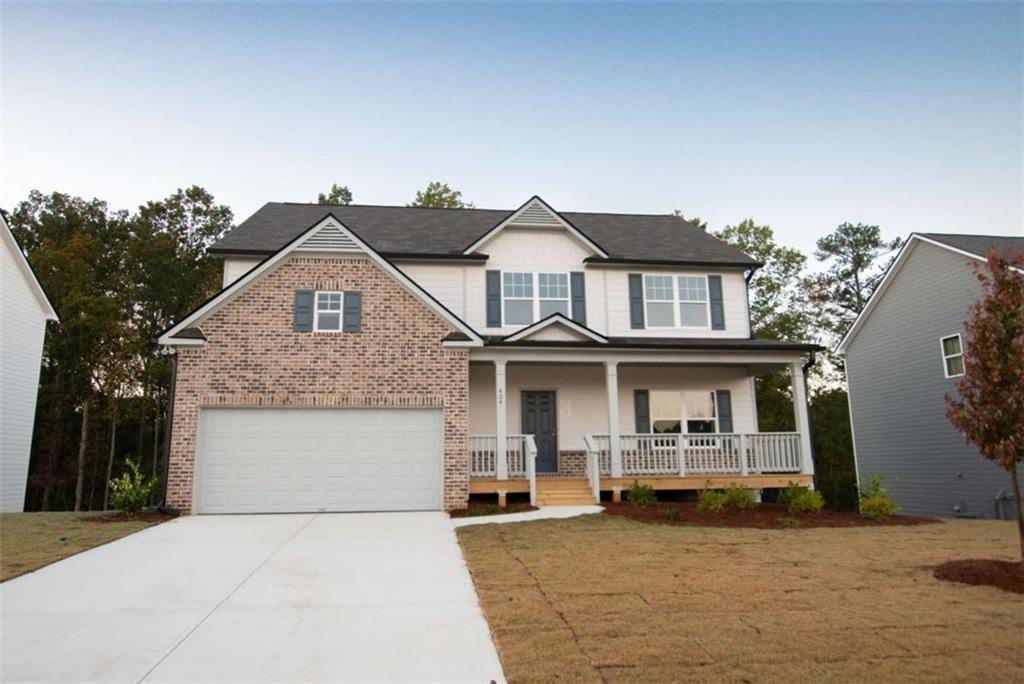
point(579, 297)
point(715, 300)
point(636, 301)
point(352, 312)
point(302, 311)
point(493, 299)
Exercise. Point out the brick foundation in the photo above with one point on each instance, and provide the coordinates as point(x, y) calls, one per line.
point(253, 358)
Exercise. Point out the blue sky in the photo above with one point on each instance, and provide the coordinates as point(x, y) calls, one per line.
point(800, 116)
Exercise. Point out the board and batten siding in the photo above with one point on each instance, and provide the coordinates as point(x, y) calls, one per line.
point(581, 399)
point(898, 387)
point(22, 327)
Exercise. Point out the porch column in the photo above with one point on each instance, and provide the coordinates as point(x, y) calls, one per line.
point(614, 442)
point(500, 422)
point(803, 424)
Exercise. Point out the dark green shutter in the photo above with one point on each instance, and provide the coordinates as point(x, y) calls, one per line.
point(494, 299)
point(715, 297)
point(352, 312)
point(636, 301)
point(579, 297)
point(302, 311)
point(642, 411)
point(723, 400)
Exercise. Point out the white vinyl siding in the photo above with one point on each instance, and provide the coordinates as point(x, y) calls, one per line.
point(262, 460)
point(236, 267)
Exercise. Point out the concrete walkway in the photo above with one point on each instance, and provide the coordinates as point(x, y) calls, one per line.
point(544, 513)
point(331, 597)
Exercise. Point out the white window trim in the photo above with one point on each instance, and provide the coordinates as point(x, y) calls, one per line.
point(676, 301)
point(683, 415)
point(947, 357)
point(340, 312)
point(536, 299)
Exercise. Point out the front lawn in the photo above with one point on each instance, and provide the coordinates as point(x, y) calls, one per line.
point(28, 541)
point(603, 598)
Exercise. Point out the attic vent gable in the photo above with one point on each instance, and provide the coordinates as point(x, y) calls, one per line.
point(536, 215)
point(330, 238)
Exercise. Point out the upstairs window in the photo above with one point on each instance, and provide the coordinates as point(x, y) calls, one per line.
point(676, 302)
point(328, 311)
point(553, 290)
point(529, 297)
point(518, 305)
point(953, 356)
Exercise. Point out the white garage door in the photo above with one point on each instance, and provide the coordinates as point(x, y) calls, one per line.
point(307, 460)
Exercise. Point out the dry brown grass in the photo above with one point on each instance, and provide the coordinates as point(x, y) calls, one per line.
point(610, 599)
point(28, 541)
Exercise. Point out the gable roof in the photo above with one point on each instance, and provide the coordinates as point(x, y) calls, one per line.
point(971, 246)
point(327, 234)
point(410, 232)
point(556, 319)
point(26, 270)
point(536, 213)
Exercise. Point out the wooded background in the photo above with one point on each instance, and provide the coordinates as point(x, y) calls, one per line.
point(119, 278)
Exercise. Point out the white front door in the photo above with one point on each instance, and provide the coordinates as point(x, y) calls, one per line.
point(278, 460)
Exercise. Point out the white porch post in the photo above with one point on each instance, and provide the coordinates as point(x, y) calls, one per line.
point(500, 422)
point(614, 441)
point(803, 424)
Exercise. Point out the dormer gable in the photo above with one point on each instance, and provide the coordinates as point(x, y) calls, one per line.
point(556, 328)
point(536, 214)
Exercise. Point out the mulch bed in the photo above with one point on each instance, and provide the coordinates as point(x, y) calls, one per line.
point(121, 517)
point(1006, 575)
point(477, 509)
point(765, 516)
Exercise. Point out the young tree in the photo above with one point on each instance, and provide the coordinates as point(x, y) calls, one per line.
point(851, 253)
point(441, 196)
point(339, 194)
point(990, 409)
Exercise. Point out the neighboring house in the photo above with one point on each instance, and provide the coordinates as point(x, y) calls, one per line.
point(24, 311)
point(389, 358)
point(903, 355)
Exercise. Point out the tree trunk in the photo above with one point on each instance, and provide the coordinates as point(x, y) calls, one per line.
point(83, 442)
point(110, 455)
point(1019, 505)
point(56, 441)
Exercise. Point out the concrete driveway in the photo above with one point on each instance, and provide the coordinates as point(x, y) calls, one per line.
point(328, 597)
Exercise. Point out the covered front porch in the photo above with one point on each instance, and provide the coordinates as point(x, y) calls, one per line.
point(567, 425)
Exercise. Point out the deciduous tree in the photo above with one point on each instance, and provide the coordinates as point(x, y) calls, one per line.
point(441, 196)
point(338, 194)
point(989, 410)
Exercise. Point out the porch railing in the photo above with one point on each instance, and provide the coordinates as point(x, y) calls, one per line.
point(703, 454)
point(520, 455)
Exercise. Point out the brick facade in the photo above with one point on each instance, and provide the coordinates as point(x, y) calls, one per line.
point(253, 358)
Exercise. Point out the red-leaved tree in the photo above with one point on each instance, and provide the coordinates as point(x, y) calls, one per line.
point(990, 409)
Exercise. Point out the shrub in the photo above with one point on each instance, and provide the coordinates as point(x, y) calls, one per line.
point(671, 513)
point(792, 490)
point(739, 499)
point(875, 503)
point(640, 495)
point(804, 500)
point(130, 492)
point(712, 501)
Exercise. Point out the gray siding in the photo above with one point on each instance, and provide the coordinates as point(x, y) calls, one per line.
point(897, 390)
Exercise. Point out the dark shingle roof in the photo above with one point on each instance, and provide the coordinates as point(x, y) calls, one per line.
point(410, 231)
point(979, 244)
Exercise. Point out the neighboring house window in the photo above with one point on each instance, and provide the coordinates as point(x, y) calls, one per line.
point(518, 307)
point(523, 303)
point(672, 302)
point(672, 411)
point(328, 311)
point(953, 356)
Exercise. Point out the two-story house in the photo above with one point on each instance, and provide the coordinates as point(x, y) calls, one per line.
point(394, 358)
point(903, 355)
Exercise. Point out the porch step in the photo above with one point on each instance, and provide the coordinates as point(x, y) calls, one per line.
point(563, 492)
